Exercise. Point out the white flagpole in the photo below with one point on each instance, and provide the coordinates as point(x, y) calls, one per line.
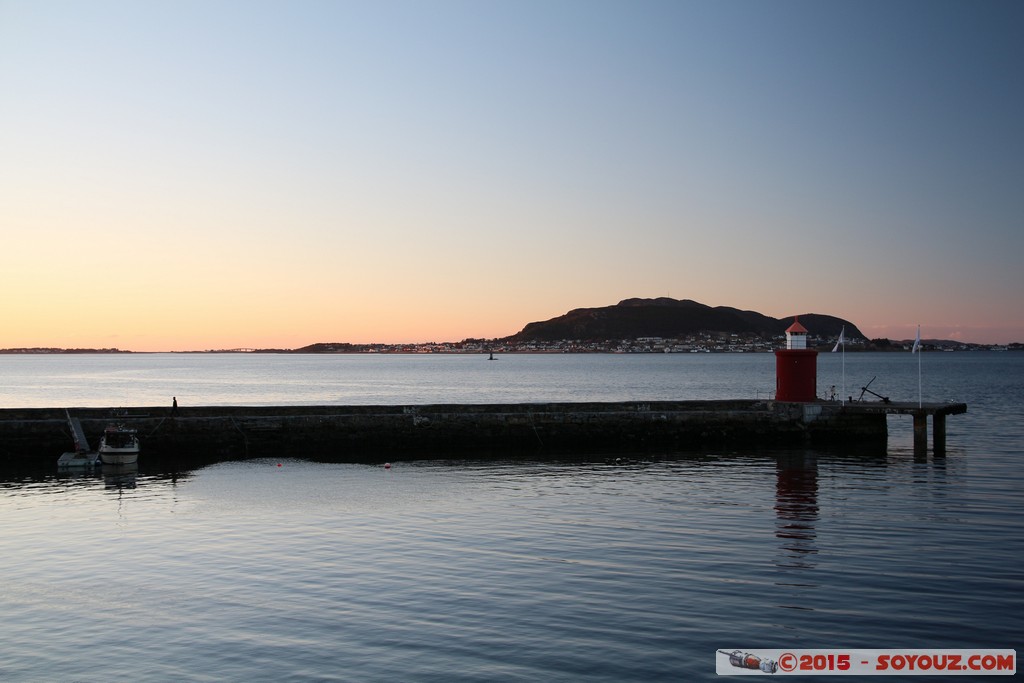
point(842, 338)
point(919, 370)
point(917, 349)
point(841, 344)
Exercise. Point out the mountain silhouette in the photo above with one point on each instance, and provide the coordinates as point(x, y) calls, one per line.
point(671, 318)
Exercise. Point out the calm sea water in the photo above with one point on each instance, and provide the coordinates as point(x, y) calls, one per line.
point(587, 570)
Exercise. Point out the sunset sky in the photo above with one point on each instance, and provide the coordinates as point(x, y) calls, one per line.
point(213, 174)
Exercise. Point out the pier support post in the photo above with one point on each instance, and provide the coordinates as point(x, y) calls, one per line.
point(920, 432)
point(939, 433)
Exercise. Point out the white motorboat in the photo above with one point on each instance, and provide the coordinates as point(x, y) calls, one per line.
point(119, 445)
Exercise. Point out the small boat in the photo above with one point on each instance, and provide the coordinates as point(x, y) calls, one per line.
point(82, 456)
point(119, 445)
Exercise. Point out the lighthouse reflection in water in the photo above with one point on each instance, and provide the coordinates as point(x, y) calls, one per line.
point(796, 510)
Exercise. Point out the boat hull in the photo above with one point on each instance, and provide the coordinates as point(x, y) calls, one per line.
point(119, 456)
point(119, 446)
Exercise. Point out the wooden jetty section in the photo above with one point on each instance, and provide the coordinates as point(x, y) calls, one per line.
point(370, 433)
point(920, 412)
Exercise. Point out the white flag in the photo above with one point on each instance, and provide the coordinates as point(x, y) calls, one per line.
point(841, 340)
point(917, 342)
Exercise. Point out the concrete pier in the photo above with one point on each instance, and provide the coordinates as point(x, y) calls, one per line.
point(372, 433)
point(920, 413)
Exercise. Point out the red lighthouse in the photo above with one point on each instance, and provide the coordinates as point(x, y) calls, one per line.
point(796, 367)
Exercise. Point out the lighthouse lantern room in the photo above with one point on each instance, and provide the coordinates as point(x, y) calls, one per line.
point(796, 367)
point(796, 335)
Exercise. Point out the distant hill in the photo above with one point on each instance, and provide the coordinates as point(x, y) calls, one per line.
point(670, 318)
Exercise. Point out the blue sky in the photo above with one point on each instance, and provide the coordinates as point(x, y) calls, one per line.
point(275, 174)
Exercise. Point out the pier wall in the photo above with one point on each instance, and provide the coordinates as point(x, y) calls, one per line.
point(370, 433)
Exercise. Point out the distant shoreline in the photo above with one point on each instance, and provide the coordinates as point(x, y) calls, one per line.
point(568, 348)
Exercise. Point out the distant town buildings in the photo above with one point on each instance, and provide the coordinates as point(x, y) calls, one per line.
point(704, 342)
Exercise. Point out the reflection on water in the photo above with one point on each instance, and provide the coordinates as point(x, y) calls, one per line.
point(120, 476)
point(796, 510)
point(613, 569)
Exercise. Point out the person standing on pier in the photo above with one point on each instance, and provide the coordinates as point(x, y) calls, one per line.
point(174, 405)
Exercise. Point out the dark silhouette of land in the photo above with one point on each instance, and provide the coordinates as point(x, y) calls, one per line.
point(671, 318)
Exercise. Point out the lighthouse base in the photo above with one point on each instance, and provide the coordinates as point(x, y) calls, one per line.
point(796, 375)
